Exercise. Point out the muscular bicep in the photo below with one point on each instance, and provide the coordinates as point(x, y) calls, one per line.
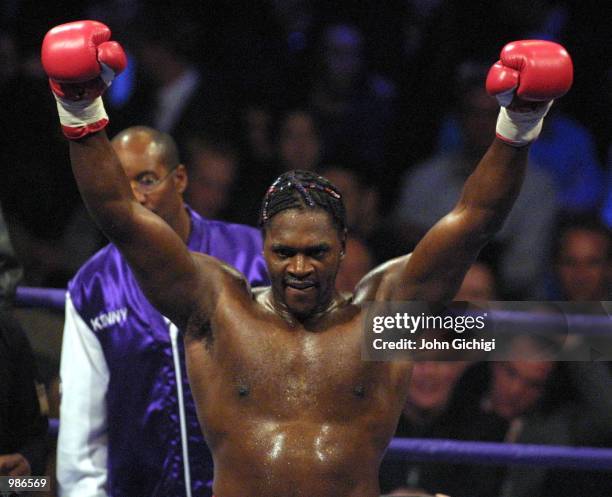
point(162, 263)
point(435, 269)
point(166, 270)
point(440, 260)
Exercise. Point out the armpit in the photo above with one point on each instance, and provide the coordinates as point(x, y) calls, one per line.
point(199, 328)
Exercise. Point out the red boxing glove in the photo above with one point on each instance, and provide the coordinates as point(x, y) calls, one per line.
point(81, 63)
point(534, 71)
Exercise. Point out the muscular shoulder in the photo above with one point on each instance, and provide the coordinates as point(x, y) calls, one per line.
point(224, 276)
point(373, 285)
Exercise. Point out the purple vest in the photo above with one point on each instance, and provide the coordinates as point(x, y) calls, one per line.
point(145, 444)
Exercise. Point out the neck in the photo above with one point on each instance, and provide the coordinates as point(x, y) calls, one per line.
point(183, 225)
point(308, 320)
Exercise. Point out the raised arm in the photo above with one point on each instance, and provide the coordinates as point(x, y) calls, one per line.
point(528, 77)
point(81, 63)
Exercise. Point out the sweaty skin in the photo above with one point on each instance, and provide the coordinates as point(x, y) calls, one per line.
point(285, 401)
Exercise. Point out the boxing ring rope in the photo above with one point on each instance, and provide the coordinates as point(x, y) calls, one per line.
point(433, 450)
point(51, 298)
point(492, 453)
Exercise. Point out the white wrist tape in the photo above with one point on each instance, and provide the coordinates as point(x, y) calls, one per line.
point(77, 114)
point(520, 128)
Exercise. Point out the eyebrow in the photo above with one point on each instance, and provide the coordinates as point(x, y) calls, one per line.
point(311, 248)
point(146, 173)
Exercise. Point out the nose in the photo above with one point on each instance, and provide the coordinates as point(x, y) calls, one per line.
point(300, 267)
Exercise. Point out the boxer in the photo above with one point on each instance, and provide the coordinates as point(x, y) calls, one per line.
point(284, 399)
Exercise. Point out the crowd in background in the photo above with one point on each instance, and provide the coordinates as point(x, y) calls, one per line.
point(385, 99)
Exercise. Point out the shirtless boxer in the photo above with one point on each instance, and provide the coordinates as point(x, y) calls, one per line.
point(285, 402)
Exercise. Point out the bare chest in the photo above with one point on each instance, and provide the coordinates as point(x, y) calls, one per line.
point(300, 368)
point(262, 365)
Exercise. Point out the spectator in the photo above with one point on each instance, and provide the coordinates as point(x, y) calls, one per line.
point(257, 140)
point(23, 426)
point(360, 198)
point(583, 260)
point(538, 402)
point(213, 170)
point(362, 201)
point(128, 422)
point(425, 412)
point(354, 105)
point(430, 391)
point(524, 254)
point(173, 94)
point(299, 141)
point(566, 150)
point(582, 266)
point(356, 264)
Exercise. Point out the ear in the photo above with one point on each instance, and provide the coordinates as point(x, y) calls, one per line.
point(343, 244)
point(180, 178)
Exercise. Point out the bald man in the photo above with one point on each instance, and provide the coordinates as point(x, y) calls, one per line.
point(128, 421)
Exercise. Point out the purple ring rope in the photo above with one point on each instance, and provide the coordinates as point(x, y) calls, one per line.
point(453, 451)
point(51, 298)
point(55, 298)
point(460, 452)
point(488, 453)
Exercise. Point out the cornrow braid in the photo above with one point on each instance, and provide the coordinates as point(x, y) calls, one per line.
point(299, 190)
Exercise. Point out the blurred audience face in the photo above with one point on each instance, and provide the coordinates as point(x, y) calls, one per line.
point(257, 125)
point(431, 386)
point(517, 386)
point(352, 193)
point(478, 284)
point(211, 178)
point(360, 202)
point(355, 265)
point(143, 159)
point(299, 141)
point(583, 267)
point(343, 55)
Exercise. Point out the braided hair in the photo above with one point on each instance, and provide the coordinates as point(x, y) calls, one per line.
point(303, 190)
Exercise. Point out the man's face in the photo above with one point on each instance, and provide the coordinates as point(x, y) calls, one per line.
point(352, 193)
point(583, 266)
point(142, 161)
point(303, 250)
point(299, 143)
point(431, 384)
point(356, 264)
point(517, 386)
point(212, 177)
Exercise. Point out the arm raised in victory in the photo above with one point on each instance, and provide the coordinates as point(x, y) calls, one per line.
point(81, 63)
point(528, 76)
